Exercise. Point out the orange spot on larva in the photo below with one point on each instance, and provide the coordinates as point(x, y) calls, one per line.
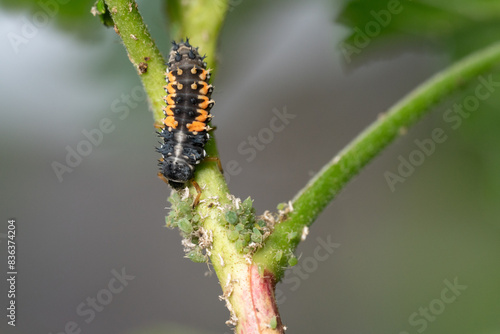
point(170, 122)
point(206, 102)
point(170, 88)
point(204, 90)
point(168, 110)
point(203, 115)
point(196, 126)
point(203, 75)
point(171, 77)
point(169, 99)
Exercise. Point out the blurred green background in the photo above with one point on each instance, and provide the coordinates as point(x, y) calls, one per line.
point(63, 73)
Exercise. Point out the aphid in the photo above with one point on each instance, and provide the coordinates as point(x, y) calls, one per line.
point(187, 113)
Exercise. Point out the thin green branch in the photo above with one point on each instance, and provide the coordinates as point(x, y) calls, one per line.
point(142, 51)
point(321, 190)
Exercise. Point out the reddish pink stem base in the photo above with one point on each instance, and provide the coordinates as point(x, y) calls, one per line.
point(257, 309)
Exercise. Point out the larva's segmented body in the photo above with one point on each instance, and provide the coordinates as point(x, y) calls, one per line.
point(187, 114)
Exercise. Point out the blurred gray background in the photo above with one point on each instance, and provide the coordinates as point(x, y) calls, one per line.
point(397, 249)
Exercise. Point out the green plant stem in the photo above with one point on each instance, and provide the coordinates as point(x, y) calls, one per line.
point(321, 190)
point(141, 50)
point(248, 295)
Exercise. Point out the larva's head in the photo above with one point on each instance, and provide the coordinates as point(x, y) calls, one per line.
point(176, 170)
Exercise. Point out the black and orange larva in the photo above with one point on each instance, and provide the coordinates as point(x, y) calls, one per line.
point(185, 127)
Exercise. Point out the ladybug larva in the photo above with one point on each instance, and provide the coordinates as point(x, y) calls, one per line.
point(187, 113)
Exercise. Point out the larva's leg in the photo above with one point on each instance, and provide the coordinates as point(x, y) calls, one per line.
point(162, 177)
point(216, 159)
point(198, 195)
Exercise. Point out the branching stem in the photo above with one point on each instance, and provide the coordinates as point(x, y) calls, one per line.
point(330, 180)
